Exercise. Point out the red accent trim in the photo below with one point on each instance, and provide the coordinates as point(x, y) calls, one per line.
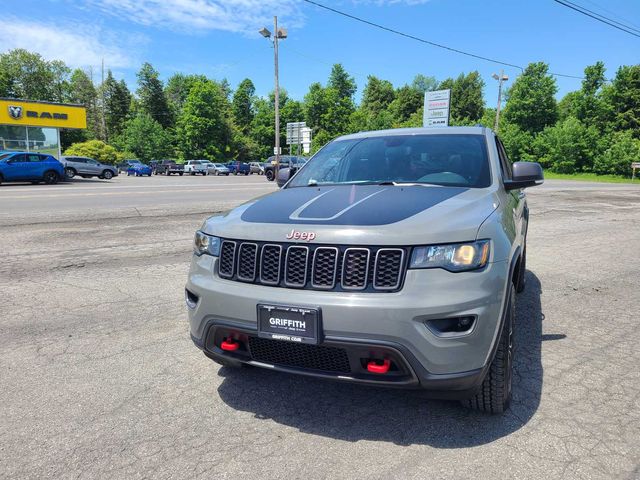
point(375, 367)
point(229, 345)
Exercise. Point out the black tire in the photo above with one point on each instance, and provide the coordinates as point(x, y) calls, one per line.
point(521, 281)
point(495, 393)
point(180, 173)
point(269, 174)
point(50, 177)
point(1, 179)
point(70, 172)
point(107, 174)
point(35, 183)
point(193, 173)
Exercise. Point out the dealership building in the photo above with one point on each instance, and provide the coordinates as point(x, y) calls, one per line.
point(31, 126)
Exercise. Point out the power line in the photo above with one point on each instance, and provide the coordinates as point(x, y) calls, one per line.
point(612, 13)
point(598, 17)
point(412, 37)
point(422, 40)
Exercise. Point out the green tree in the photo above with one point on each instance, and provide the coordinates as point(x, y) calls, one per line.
point(617, 159)
point(177, 89)
point(95, 149)
point(377, 95)
point(568, 147)
point(467, 102)
point(117, 103)
point(407, 102)
point(26, 75)
point(242, 105)
point(343, 83)
point(151, 97)
point(625, 99)
point(83, 92)
point(423, 84)
point(143, 136)
point(531, 103)
point(203, 129)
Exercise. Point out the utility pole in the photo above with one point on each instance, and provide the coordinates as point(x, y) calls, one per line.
point(279, 34)
point(275, 55)
point(104, 123)
point(502, 78)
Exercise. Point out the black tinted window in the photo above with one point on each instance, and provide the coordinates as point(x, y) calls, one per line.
point(441, 159)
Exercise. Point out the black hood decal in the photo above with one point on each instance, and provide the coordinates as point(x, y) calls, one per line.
point(347, 204)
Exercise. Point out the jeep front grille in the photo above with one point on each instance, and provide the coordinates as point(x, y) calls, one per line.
point(317, 267)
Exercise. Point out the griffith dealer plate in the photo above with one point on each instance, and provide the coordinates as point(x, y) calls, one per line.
point(288, 323)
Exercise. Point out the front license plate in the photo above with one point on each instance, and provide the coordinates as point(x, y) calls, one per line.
point(288, 323)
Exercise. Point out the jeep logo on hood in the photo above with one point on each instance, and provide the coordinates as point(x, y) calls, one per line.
point(296, 235)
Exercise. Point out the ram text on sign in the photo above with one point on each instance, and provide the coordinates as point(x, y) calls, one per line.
point(40, 114)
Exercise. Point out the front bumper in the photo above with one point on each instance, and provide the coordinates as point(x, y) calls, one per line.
point(389, 325)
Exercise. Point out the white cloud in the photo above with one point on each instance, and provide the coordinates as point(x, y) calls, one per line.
point(240, 16)
point(76, 45)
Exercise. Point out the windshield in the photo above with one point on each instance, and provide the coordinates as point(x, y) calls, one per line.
point(4, 155)
point(451, 160)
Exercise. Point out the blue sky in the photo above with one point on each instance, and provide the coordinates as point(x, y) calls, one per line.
point(219, 37)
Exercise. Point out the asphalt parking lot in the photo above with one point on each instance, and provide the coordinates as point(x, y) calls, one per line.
point(100, 379)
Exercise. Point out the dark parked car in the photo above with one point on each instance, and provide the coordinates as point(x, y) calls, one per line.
point(30, 167)
point(167, 167)
point(241, 168)
point(286, 161)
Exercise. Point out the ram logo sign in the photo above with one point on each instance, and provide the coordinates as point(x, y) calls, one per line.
point(15, 112)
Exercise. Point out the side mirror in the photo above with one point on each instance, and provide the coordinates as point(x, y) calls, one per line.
point(525, 174)
point(284, 174)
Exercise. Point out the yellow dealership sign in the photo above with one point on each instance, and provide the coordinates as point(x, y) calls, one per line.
point(41, 114)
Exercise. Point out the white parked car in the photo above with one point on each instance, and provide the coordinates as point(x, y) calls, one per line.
point(194, 167)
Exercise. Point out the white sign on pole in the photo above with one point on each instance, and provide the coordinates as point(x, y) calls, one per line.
point(306, 139)
point(294, 135)
point(436, 108)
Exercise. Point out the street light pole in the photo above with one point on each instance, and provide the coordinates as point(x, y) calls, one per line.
point(502, 78)
point(277, 94)
point(278, 34)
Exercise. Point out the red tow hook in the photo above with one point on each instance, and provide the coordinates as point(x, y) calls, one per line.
point(229, 344)
point(374, 367)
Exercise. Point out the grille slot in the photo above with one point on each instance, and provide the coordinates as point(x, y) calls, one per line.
point(314, 357)
point(227, 258)
point(296, 263)
point(318, 267)
point(270, 264)
point(325, 267)
point(247, 256)
point(355, 268)
point(388, 265)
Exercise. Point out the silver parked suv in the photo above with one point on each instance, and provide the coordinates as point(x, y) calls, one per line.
point(391, 258)
point(87, 168)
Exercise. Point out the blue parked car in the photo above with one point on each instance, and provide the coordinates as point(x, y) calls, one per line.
point(30, 167)
point(139, 169)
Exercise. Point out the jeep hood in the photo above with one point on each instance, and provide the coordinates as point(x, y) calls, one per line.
point(361, 215)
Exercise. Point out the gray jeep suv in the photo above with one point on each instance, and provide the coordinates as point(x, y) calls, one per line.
point(391, 258)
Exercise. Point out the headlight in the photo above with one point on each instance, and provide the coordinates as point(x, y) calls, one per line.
point(203, 243)
point(455, 258)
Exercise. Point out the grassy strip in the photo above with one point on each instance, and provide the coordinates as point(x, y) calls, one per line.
point(588, 177)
